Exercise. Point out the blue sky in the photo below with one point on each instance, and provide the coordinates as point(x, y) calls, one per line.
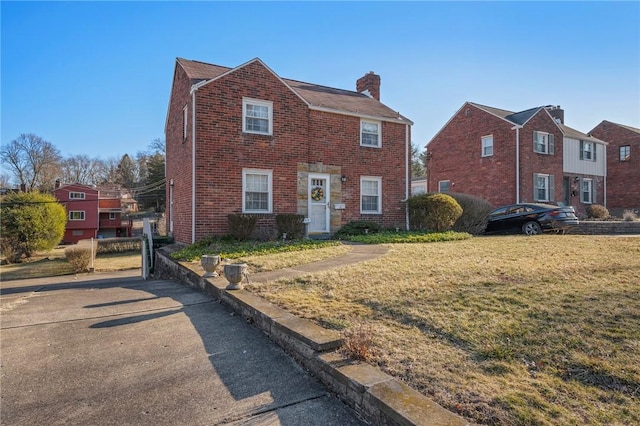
point(94, 78)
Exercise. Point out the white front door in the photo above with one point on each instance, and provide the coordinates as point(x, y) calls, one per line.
point(319, 203)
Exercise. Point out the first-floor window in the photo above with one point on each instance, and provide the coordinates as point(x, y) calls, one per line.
point(542, 187)
point(586, 191)
point(112, 216)
point(76, 215)
point(444, 186)
point(625, 152)
point(370, 194)
point(257, 190)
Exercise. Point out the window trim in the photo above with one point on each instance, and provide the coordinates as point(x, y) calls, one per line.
point(627, 157)
point(482, 144)
point(549, 144)
point(82, 214)
point(378, 180)
point(264, 172)
point(185, 122)
point(257, 102)
point(441, 182)
point(379, 134)
point(583, 151)
point(112, 216)
point(588, 181)
point(75, 195)
point(549, 187)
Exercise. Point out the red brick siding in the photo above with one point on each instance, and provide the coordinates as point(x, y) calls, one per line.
point(300, 135)
point(623, 177)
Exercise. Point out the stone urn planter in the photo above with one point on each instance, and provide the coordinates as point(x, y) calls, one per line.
point(235, 273)
point(209, 263)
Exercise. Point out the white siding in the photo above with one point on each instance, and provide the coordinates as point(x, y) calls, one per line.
point(573, 164)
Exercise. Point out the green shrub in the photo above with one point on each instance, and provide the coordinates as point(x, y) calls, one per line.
point(475, 213)
point(290, 224)
point(30, 222)
point(241, 226)
point(435, 212)
point(597, 211)
point(358, 227)
point(629, 215)
point(79, 255)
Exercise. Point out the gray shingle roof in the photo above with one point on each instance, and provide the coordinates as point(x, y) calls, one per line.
point(322, 97)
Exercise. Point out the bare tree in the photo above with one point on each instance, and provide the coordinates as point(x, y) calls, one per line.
point(82, 169)
point(418, 163)
point(34, 162)
point(158, 145)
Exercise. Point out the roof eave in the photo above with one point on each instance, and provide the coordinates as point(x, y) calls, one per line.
point(400, 119)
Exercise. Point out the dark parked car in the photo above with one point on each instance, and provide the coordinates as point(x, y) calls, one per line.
point(531, 218)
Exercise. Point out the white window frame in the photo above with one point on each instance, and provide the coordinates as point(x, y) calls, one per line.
point(76, 195)
point(584, 151)
point(487, 142)
point(378, 181)
point(627, 153)
point(112, 216)
point(256, 102)
point(544, 143)
point(261, 172)
point(546, 187)
point(588, 199)
point(72, 213)
point(185, 122)
point(442, 183)
point(378, 143)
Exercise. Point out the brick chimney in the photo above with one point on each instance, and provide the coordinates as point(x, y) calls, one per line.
point(369, 84)
point(556, 112)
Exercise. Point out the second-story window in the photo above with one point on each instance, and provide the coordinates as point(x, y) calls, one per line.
point(625, 153)
point(76, 195)
point(257, 116)
point(487, 146)
point(76, 215)
point(370, 133)
point(543, 143)
point(587, 151)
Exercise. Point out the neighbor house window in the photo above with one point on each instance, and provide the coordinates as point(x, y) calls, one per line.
point(112, 216)
point(370, 194)
point(586, 191)
point(444, 186)
point(587, 151)
point(543, 187)
point(543, 143)
point(257, 191)
point(625, 153)
point(257, 116)
point(370, 134)
point(76, 215)
point(76, 195)
point(77, 232)
point(487, 146)
point(185, 121)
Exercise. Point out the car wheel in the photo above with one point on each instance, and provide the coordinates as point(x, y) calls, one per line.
point(531, 228)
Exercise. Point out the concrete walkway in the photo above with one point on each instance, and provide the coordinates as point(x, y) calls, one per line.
point(105, 349)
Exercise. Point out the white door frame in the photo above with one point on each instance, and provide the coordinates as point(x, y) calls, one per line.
point(313, 204)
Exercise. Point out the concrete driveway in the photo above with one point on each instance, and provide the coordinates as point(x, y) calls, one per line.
point(105, 349)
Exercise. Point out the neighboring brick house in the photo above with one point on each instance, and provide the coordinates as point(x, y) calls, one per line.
point(91, 213)
point(244, 140)
point(507, 157)
point(623, 164)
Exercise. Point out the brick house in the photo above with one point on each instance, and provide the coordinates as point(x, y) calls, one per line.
point(245, 140)
point(91, 213)
point(623, 164)
point(507, 157)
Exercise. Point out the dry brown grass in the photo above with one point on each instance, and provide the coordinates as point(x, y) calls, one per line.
point(503, 330)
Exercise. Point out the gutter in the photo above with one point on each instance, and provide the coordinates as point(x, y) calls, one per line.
point(517, 128)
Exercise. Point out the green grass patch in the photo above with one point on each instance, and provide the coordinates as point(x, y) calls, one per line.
point(235, 249)
point(390, 237)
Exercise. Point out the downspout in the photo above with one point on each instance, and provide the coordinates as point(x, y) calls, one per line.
point(604, 191)
point(517, 128)
point(193, 163)
point(407, 177)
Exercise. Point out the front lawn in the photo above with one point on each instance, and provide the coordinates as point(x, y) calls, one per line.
point(510, 330)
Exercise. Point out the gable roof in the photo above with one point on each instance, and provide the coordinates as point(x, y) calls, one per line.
point(318, 97)
point(632, 129)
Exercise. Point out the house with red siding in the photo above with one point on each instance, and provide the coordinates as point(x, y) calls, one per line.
point(92, 213)
point(510, 157)
point(623, 164)
point(245, 140)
